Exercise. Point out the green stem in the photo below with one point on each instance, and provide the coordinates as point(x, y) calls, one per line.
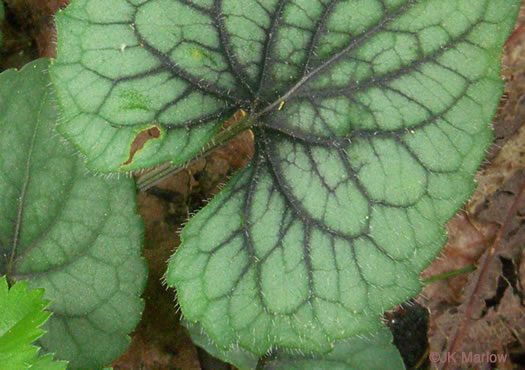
point(166, 170)
point(450, 274)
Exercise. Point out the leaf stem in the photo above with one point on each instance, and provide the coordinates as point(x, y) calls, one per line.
point(449, 274)
point(166, 170)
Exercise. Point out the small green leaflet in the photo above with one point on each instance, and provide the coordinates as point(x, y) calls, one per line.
point(21, 316)
point(373, 351)
point(374, 116)
point(62, 229)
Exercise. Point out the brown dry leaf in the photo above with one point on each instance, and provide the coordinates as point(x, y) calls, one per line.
point(495, 309)
point(467, 241)
point(495, 210)
point(495, 331)
point(510, 159)
point(522, 271)
point(445, 317)
point(512, 314)
point(239, 150)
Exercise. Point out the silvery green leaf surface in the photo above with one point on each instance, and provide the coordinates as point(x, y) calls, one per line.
point(65, 230)
point(373, 351)
point(386, 118)
point(374, 116)
point(234, 355)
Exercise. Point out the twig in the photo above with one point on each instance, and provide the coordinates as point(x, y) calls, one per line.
point(460, 332)
point(449, 274)
point(165, 170)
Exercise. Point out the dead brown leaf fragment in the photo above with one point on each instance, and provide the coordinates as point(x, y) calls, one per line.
point(510, 159)
point(140, 141)
point(468, 239)
point(476, 323)
point(522, 271)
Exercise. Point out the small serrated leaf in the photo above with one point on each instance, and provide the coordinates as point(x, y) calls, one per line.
point(21, 316)
point(65, 230)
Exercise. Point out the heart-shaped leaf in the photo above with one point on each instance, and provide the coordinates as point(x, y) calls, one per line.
point(373, 351)
point(65, 230)
point(373, 116)
point(386, 117)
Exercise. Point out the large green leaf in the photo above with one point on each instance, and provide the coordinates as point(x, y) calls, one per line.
point(21, 315)
point(374, 116)
point(386, 117)
point(65, 230)
point(373, 351)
